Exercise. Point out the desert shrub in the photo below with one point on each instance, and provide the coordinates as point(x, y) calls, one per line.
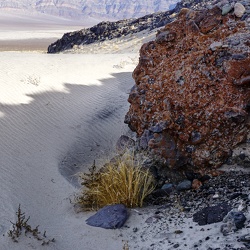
point(123, 182)
point(21, 225)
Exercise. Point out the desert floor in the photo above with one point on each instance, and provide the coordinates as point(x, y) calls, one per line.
point(58, 113)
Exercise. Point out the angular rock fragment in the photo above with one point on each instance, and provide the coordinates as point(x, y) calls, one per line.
point(238, 219)
point(124, 143)
point(109, 217)
point(210, 215)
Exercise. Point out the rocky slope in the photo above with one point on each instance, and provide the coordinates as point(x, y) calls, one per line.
point(102, 9)
point(190, 104)
point(110, 30)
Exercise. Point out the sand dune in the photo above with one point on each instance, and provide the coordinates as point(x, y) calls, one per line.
point(57, 114)
point(26, 20)
point(22, 31)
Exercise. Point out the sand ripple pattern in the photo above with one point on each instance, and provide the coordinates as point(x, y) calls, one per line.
point(55, 109)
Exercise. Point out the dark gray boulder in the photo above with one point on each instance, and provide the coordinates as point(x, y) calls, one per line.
point(109, 217)
point(209, 215)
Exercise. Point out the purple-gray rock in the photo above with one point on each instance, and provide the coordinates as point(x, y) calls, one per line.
point(109, 217)
point(238, 218)
point(184, 185)
point(168, 187)
point(209, 215)
point(123, 143)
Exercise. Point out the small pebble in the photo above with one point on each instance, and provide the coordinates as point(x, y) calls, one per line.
point(239, 10)
point(167, 186)
point(226, 9)
point(184, 185)
point(178, 232)
point(216, 196)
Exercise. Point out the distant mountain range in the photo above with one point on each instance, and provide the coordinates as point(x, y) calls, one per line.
point(76, 9)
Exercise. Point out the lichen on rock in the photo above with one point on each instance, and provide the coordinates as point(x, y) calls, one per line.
point(190, 103)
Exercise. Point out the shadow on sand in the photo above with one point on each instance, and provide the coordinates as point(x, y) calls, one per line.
point(95, 114)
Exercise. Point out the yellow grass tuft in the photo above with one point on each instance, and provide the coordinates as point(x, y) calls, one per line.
point(125, 182)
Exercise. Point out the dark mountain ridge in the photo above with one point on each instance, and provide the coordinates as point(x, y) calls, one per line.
point(109, 30)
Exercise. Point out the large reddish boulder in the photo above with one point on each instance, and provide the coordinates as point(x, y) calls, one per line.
point(190, 103)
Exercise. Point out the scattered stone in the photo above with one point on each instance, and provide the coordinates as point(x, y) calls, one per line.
point(215, 45)
point(160, 193)
point(192, 175)
point(245, 238)
point(242, 206)
point(196, 184)
point(216, 196)
point(209, 215)
point(239, 10)
point(226, 9)
point(124, 143)
point(238, 218)
point(109, 217)
point(233, 221)
point(152, 219)
point(168, 187)
point(184, 185)
point(228, 228)
point(178, 231)
point(240, 156)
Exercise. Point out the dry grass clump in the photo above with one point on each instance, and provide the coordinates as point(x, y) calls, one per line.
point(124, 182)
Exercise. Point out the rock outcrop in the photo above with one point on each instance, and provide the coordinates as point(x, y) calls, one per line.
point(190, 103)
point(109, 30)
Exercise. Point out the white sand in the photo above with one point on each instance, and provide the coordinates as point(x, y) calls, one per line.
point(57, 114)
point(49, 105)
point(21, 30)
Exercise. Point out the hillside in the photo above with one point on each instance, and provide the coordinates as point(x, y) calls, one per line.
point(110, 30)
point(76, 9)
